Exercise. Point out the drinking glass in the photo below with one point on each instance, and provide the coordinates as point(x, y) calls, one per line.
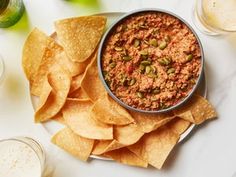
point(21, 156)
point(215, 17)
point(10, 12)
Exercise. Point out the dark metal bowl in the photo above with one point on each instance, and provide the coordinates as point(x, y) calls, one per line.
point(102, 44)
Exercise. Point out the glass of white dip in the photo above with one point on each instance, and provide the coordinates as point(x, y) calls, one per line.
point(21, 156)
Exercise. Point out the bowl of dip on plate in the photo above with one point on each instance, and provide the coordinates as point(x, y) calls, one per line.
point(150, 61)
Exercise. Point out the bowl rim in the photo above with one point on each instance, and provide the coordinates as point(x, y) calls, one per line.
point(109, 31)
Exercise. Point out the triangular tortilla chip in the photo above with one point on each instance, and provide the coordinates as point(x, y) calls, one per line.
point(108, 111)
point(76, 82)
point(188, 116)
point(59, 80)
point(155, 147)
point(59, 118)
point(127, 134)
point(127, 157)
point(103, 146)
point(178, 125)
point(150, 122)
point(74, 144)
point(76, 115)
point(200, 108)
point(91, 82)
point(33, 51)
point(80, 36)
point(123, 136)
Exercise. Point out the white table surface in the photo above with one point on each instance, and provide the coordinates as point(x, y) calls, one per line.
point(209, 152)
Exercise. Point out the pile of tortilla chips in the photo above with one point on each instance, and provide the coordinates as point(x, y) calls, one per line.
point(63, 73)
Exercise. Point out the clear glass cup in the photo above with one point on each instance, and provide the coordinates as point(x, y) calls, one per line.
point(10, 12)
point(2, 69)
point(21, 156)
point(215, 17)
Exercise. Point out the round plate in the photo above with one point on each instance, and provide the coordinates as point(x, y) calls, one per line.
point(53, 127)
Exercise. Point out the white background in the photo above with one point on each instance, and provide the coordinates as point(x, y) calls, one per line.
point(210, 150)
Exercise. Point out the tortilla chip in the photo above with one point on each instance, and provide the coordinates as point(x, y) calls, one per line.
point(108, 111)
point(60, 81)
point(123, 136)
point(79, 93)
point(47, 61)
point(178, 125)
point(80, 67)
point(59, 118)
point(76, 82)
point(103, 146)
point(76, 115)
point(74, 144)
point(127, 134)
point(186, 116)
point(80, 36)
point(91, 83)
point(127, 157)
point(74, 68)
point(200, 108)
point(33, 51)
point(53, 55)
point(100, 146)
point(43, 97)
point(155, 146)
point(150, 122)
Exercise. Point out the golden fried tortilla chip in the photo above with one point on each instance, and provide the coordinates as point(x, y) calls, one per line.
point(80, 36)
point(47, 55)
point(48, 60)
point(59, 118)
point(80, 67)
point(33, 51)
point(187, 116)
point(150, 122)
point(127, 134)
point(127, 157)
point(108, 111)
point(76, 82)
point(91, 83)
point(103, 146)
point(43, 97)
point(59, 80)
point(79, 93)
point(178, 125)
point(200, 108)
point(155, 147)
point(76, 115)
point(123, 136)
point(100, 146)
point(74, 144)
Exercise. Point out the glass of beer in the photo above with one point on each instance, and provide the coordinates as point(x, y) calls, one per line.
point(215, 17)
point(10, 12)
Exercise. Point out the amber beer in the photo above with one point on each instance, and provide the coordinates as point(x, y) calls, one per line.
point(10, 12)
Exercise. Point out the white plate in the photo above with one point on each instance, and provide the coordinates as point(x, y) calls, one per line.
point(52, 127)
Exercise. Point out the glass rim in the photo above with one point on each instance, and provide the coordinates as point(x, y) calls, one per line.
point(39, 146)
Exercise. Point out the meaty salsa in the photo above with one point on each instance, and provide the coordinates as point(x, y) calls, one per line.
point(151, 61)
